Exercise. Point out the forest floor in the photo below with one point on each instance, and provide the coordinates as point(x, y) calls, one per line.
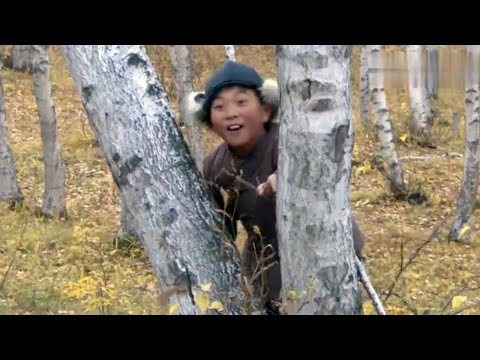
point(74, 267)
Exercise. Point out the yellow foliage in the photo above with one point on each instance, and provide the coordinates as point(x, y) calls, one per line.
point(394, 310)
point(216, 305)
point(202, 301)
point(173, 308)
point(364, 168)
point(368, 308)
point(404, 137)
point(457, 301)
point(81, 288)
point(206, 287)
point(292, 295)
point(463, 231)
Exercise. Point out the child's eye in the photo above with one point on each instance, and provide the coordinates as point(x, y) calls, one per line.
point(242, 102)
point(218, 107)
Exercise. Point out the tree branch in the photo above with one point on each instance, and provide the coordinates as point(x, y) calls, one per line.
point(369, 287)
point(410, 260)
point(429, 157)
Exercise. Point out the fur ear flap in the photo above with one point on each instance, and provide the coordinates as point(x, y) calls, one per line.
point(194, 105)
point(269, 91)
point(270, 95)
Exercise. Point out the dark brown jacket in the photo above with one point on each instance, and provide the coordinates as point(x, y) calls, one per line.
point(257, 213)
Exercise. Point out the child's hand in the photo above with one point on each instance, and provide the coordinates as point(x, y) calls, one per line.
point(268, 187)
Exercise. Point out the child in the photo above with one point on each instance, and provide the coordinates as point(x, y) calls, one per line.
point(240, 108)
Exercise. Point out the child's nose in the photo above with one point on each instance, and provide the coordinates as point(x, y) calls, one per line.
point(231, 112)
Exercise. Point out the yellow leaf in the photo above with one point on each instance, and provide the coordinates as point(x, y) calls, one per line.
point(463, 230)
point(368, 308)
point(394, 310)
point(364, 168)
point(206, 287)
point(173, 308)
point(404, 137)
point(457, 301)
point(359, 170)
point(216, 305)
point(292, 295)
point(202, 302)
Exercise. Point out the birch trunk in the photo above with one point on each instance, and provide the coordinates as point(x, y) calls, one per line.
point(230, 52)
point(9, 189)
point(22, 57)
point(313, 210)
point(432, 71)
point(158, 180)
point(468, 191)
point(456, 125)
point(181, 56)
point(54, 193)
point(393, 169)
point(420, 112)
point(364, 91)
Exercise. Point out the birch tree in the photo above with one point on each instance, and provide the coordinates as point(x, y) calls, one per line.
point(364, 90)
point(54, 194)
point(181, 56)
point(432, 71)
point(393, 169)
point(22, 57)
point(468, 191)
point(313, 210)
point(230, 52)
point(420, 111)
point(2, 55)
point(9, 189)
point(157, 178)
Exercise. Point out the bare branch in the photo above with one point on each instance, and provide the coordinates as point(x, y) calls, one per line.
point(465, 308)
point(406, 303)
point(431, 157)
point(369, 287)
point(457, 293)
point(410, 260)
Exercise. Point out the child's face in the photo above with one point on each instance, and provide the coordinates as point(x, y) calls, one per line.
point(238, 116)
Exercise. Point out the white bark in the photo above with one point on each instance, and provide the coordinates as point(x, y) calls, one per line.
point(364, 91)
point(432, 157)
point(54, 194)
point(181, 56)
point(384, 126)
point(230, 52)
point(377, 303)
point(468, 192)
point(432, 71)
point(313, 211)
point(9, 189)
point(420, 111)
point(22, 58)
point(158, 180)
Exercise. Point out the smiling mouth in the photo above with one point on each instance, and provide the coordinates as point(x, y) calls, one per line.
point(234, 128)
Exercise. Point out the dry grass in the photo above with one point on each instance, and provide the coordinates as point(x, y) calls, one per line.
point(62, 267)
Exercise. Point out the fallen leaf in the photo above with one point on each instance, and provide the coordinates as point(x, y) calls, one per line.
point(457, 301)
point(206, 287)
